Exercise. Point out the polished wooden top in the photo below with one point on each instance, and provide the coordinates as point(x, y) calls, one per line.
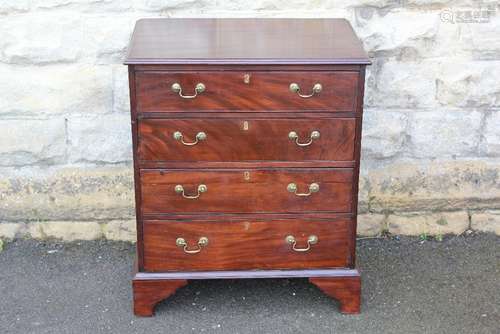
point(245, 41)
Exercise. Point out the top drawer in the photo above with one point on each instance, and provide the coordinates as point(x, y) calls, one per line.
point(227, 90)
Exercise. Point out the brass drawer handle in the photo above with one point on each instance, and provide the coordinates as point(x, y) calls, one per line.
point(295, 137)
point(181, 242)
point(313, 188)
point(201, 189)
point(200, 88)
point(310, 241)
point(295, 88)
point(200, 136)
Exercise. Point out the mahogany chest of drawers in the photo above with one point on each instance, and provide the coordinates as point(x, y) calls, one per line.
point(246, 138)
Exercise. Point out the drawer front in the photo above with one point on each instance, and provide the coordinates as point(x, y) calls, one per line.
point(227, 90)
point(236, 139)
point(223, 245)
point(247, 191)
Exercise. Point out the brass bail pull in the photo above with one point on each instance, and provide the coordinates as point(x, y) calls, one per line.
point(200, 136)
point(181, 242)
point(310, 241)
point(177, 88)
point(201, 189)
point(313, 188)
point(295, 88)
point(295, 137)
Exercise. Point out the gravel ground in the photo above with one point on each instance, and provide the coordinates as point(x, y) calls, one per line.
point(408, 287)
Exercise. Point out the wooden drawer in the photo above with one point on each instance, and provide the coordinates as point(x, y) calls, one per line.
point(226, 90)
point(236, 139)
point(246, 191)
point(245, 244)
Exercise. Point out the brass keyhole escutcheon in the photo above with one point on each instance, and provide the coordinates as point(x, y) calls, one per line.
point(246, 78)
point(246, 176)
point(245, 126)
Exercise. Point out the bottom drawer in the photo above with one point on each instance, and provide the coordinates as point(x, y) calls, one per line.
point(246, 245)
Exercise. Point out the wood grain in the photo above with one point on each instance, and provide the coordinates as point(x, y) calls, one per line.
point(227, 91)
point(347, 290)
point(245, 41)
point(245, 245)
point(247, 211)
point(242, 139)
point(148, 293)
point(357, 156)
point(246, 190)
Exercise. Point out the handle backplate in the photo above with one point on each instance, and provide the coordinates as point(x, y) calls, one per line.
point(199, 88)
point(181, 242)
point(200, 136)
point(311, 240)
point(295, 88)
point(313, 188)
point(201, 189)
point(295, 137)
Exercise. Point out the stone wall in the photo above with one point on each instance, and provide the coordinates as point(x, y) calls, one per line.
point(431, 146)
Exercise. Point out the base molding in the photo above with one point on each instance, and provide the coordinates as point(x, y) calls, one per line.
point(343, 285)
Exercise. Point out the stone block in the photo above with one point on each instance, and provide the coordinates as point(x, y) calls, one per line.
point(384, 133)
point(468, 84)
point(161, 6)
point(13, 7)
point(363, 199)
point(413, 185)
point(492, 134)
point(107, 38)
point(83, 5)
point(487, 221)
point(120, 230)
point(65, 230)
point(403, 85)
point(429, 223)
point(28, 142)
point(390, 33)
point(481, 39)
point(11, 231)
point(101, 139)
point(41, 39)
point(445, 134)
point(40, 91)
point(121, 96)
point(65, 194)
point(370, 224)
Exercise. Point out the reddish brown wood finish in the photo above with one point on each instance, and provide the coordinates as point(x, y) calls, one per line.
point(245, 245)
point(246, 190)
point(347, 290)
point(137, 180)
point(357, 156)
point(148, 293)
point(219, 52)
point(242, 139)
point(227, 91)
point(245, 41)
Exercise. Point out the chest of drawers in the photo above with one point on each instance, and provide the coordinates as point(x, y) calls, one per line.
point(246, 138)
